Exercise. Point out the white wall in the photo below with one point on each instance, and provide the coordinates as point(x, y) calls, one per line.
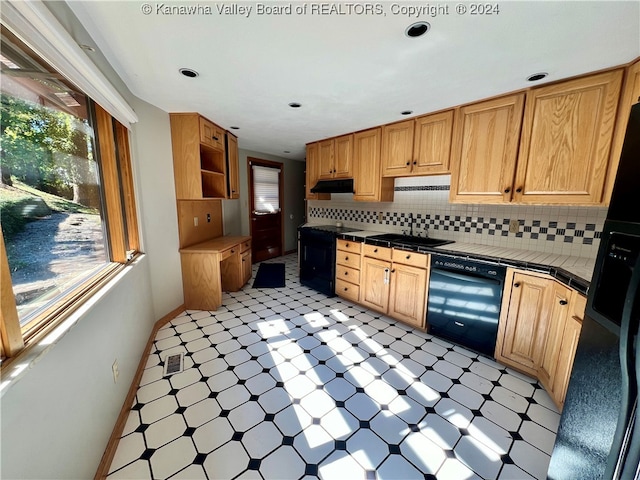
point(57, 418)
point(157, 203)
point(236, 212)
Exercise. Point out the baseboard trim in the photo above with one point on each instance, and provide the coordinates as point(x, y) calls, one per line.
point(112, 445)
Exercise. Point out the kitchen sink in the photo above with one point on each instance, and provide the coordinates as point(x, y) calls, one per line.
point(410, 240)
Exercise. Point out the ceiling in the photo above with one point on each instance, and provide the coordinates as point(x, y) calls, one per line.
point(349, 71)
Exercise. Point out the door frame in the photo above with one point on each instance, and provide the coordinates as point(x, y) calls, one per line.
point(273, 164)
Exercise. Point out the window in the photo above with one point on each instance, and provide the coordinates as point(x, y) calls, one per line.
point(266, 194)
point(67, 207)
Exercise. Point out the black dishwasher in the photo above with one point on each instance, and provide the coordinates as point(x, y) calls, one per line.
point(464, 301)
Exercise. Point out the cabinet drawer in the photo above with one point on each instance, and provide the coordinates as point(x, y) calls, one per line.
point(348, 274)
point(224, 254)
point(347, 290)
point(414, 259)
point(244, 246)
point(349, 246)
point(348, 259)
point(381, 253)
point(211, 134)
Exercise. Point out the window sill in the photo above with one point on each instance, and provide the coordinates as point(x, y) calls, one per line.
point(40, 342)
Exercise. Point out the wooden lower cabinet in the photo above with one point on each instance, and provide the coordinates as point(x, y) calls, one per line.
point(348, 269)
point(539, 329)
point(394, 288)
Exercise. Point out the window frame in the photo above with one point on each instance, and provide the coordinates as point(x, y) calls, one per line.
point(122, 241)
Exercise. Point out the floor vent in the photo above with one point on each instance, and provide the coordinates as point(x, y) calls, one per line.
point(174, 364)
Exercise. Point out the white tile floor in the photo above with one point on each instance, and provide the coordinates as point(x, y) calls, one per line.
point(287, 383)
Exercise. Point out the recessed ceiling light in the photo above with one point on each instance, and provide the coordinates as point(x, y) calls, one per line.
point(187, 72)
point(88, 48)
point(295, 105)
point(417, 29)
point(537, 76)
point(406, 112)
point(234, 128)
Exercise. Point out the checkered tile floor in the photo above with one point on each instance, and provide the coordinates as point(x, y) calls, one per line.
point(287, 383)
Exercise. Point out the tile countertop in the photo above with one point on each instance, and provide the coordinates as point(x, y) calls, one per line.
point(575, 272)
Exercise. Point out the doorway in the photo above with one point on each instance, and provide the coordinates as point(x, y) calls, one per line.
point(265, 209)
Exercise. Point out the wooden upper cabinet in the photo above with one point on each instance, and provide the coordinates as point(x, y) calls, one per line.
point(397, 148)
point(432, 143)
point(420, 146)
point(566, 139)
point(211, 134)
point(368, 183)
point(343, 157)
point(313, 172)
point(233, 179)
point(326, 150)
point(485, 148)
point(630, 96)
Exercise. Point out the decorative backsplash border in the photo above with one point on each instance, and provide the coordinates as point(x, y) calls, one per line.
point(566, 230)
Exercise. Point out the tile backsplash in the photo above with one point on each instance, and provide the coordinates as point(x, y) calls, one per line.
point(553, 229)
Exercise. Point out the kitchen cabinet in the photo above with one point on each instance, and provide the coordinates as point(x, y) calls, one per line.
point(524, 320)
point(394, 282)
point(368, 183)
point(566, 139)
point(539, 329)
point(485, 149)
point(313, 173)
point(420, 146)
point(348, 269)
point(233, 179)
point(199, 161)
point(336, 157)
point(630, 96)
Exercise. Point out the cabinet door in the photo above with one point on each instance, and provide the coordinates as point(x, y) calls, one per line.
point(343, 161)
point(312, 173)
point(524, 324)
point(568, 349)
point(559, 308)
point(432, 143)
point(367, 180)
point(630, 96)
point(326, 152)
point(408, 296)
point(211, 134)
point(374, 284)
point(233, 179)
point(246, 266)
point(397, 149)
point(484, 151)
point(566, 139)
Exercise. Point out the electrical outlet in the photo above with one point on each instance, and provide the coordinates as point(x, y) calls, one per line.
point(115, 370)
point(380, 217)
point(195, 221)
point(514, 226)
point(208, 218)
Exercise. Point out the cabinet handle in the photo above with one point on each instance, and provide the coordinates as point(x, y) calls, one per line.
point(393, 270)
point(408, 163)
point(519, 189)
point(346, 245)
point(375, 250)
point(346, 289)
point(346, 258)
point(408, 257)
point(507, 190)
point(516, 285)
point(563, 302)
point(215, 138)
point(233, 251)
point(346, 273)
point(414, 162)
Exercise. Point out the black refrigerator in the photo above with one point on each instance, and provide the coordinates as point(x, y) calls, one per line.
point(599, 432)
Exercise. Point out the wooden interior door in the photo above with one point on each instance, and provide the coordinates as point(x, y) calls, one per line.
point(265, 210)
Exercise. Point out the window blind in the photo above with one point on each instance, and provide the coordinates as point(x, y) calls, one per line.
point(266, 192)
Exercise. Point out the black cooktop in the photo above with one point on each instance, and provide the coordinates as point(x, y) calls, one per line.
point(332, 228)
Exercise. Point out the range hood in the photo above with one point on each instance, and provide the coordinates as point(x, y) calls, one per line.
point(344, 185)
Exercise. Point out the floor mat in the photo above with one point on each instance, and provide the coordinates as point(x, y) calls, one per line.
point(270, 275)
